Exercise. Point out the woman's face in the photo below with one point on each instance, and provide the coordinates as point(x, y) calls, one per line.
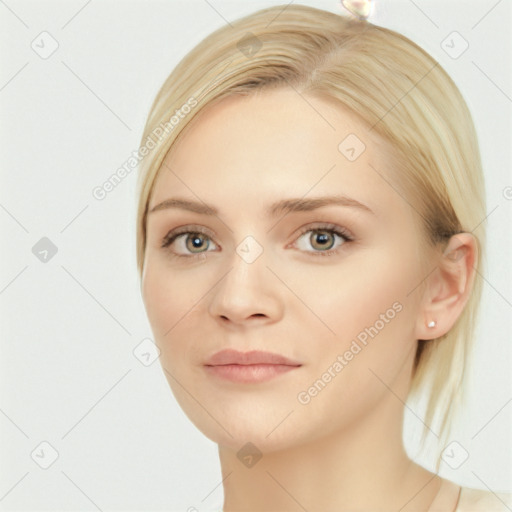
point(257, 278)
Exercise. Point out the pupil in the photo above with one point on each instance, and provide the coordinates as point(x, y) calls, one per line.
point(322, 239)
point(195, 242)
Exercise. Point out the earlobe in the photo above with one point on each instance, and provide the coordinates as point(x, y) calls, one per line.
point(448, 288)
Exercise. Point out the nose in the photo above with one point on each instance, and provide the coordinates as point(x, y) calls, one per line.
point(249, 293)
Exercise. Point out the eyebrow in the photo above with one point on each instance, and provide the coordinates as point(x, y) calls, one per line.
point(283, 206)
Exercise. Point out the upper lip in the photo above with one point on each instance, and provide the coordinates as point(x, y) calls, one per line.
point(230, 356)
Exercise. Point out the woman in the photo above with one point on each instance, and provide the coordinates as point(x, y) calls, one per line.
point(307, 249)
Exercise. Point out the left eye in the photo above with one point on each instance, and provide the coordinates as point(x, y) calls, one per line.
point(322, 240)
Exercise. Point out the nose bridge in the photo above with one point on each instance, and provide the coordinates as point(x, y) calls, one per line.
point(246, 289)
point(247, 266)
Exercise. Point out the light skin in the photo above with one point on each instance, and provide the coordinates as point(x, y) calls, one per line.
point(343, 449)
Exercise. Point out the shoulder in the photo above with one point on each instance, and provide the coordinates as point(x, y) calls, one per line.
point(477, 500)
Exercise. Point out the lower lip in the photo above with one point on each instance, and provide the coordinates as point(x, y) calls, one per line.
point(250, 372)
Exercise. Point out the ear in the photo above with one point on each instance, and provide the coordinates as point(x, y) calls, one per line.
point(448, 287)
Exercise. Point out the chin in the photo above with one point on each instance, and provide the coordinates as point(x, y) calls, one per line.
point(266, 433)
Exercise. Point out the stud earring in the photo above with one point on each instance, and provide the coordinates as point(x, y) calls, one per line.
point(431, 324)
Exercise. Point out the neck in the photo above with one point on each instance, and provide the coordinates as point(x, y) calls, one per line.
point(363, 467)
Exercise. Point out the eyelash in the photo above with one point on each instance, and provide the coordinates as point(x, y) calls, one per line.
point(330, 228)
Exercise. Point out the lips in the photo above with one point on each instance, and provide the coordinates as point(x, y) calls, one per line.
point(255, 357)
point(248, 367)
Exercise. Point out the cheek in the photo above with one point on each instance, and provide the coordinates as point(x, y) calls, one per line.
point(351, 296)
point(367, 303)
point(166, 300)
point(175, 306)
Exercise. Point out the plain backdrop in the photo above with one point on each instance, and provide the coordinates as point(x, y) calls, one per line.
point(74, 396)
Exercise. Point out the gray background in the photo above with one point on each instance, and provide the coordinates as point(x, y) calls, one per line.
point(70, 324)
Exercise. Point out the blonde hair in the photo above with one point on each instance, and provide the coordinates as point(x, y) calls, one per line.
point(396, 88)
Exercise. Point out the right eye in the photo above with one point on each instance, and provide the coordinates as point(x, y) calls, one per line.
point(188, 243)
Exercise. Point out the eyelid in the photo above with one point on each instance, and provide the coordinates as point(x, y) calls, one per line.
point(326, 226)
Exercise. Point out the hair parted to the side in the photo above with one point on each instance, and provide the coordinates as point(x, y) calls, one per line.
point(397, 89)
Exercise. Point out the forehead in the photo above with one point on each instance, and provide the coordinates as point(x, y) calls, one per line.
point(247, 151)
